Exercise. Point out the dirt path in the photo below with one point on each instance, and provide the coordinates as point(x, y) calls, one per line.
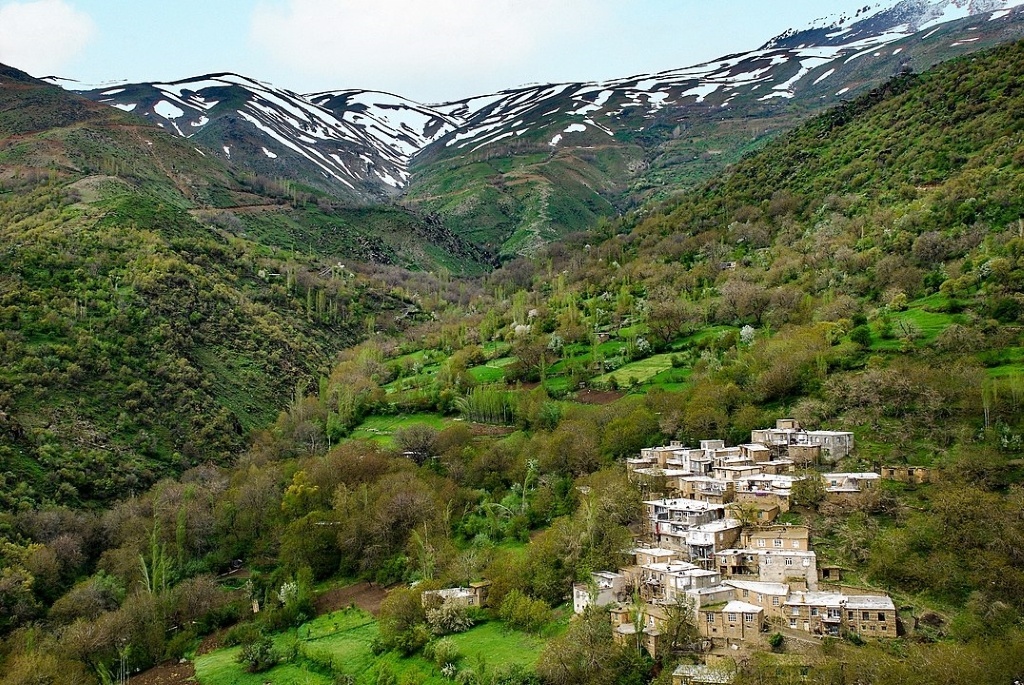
point(591, 396)
point(169, 674)
point(363, 595)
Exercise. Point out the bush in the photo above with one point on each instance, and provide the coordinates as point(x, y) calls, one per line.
point(775, 641)
point(448, 617)
point(443, 652)
point(238, 634)
point(258, 654)
point(861, 335)
point(524, 613)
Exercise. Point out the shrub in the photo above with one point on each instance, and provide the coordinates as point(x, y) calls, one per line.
point(448, 617)
point(444, 652)
point(258, 654)
point(524, 613)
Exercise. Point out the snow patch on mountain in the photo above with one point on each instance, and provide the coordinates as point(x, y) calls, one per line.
point(366, 140)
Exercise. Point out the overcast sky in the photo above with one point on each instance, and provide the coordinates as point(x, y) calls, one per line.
point(427, 50)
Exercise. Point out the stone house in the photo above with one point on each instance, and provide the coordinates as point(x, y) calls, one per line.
point(703, 541)
point(732, 621)
point(769, 596)
point(649, 618)
point(764, 499)
point(605, 588)
point(777, 537)
point(788, 434)
point(668, 520)
point(794, 567)
point(916, 475)
point(870, 616)
point(473, 596)
point(756, 452)
point(833, 613)
point(818, 613)
point(844, 486)
point(656, 555)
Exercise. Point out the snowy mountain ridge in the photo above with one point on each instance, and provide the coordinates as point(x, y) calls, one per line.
point(364, 143)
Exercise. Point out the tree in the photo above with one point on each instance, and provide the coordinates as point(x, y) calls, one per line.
point(524, 613)
point(402, 621)
point(809, 491)
point(418, 442)
point(584, 655)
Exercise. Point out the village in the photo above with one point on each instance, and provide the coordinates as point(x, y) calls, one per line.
point(713, 554)
point(712, 547)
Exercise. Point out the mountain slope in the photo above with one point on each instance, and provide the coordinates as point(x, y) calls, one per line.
point(647, 135)
point(354, 144)
point(142, 329)
point(515, 169)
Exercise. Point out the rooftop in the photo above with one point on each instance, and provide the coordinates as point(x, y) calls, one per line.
point(757, 586)
point(686, 504)
point(869, 602)
point(706, 675)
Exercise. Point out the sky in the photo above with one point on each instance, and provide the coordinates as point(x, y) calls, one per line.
point(427, 50)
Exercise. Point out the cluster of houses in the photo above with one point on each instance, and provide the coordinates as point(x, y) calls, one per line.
point(712, 546)
point(712, 551)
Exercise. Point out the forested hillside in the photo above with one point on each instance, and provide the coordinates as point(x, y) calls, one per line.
point(862, 273)
point(154, 308)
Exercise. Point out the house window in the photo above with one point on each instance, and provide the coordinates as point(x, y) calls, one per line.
point(792, 623)
point(767, 561)
point(796, 544)
point(865, 615)
point(885, 627)
point(849, 615)
point(759, 597)
point(789, 561)
point(748, 618)
point(775, 601)
point(814, 611)
point(760, 543)
point(732, 617)
point(746, 593)
point(881, 617)
point(777, 543)
point(710, 617)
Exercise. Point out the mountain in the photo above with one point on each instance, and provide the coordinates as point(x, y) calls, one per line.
point(355, 144)
point(512, 170)
point(155, 307)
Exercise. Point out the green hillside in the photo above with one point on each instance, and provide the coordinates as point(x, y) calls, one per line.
point(155, 308)
point(862, 272)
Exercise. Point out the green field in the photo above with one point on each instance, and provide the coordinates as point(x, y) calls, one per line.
point(382, 428)
point(491, 372)
point(340, 642)
point(642, 370)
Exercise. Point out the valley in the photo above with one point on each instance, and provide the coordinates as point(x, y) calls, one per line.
point(671, 399)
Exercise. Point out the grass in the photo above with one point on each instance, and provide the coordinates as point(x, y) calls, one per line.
point(341, 642)
point(491, 372)
point(382, 428)
point(493, 643)
point(642, 370)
